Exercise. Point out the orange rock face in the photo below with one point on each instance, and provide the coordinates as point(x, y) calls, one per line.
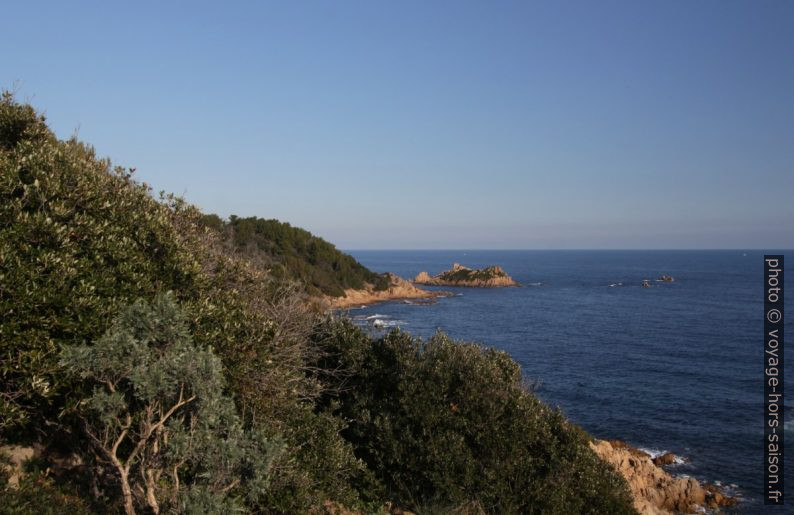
point(398, 289)
point(654, 490)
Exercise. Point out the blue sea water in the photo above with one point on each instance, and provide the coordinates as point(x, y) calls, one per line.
point(676, 367)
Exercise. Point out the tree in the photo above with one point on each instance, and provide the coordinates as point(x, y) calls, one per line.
point(159, 419)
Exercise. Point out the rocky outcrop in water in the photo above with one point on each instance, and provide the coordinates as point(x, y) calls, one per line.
point(655, 491)
point(398, 289)
point(459, 275)
point(667, 458)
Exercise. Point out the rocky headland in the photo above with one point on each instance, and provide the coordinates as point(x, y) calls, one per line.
point(398, 289)
point(459, 275)
point(656, 491)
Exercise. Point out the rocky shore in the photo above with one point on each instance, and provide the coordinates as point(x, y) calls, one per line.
point(399, 289)
point(459, 275)
point(656, 491)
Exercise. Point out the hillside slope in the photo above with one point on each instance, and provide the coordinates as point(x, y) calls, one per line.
point(295, 253)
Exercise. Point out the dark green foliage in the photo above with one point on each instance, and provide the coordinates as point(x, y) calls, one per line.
point(20, 122)
point(159, 419)
point(77, 240)
point(212, 221)
point(324, 467)
point(295, 253)
point(38, 495)
point(444, 423)
point(466, 274)
point(80, 239)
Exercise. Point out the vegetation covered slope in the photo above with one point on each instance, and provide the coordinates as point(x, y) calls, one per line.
point(303, 409)
point(451, 424)
point(79, 242)
point(294, 253)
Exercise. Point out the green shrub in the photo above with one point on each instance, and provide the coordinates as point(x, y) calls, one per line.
point(79, 240)
point(38, 495)
point(443, 423)
point(160, 420)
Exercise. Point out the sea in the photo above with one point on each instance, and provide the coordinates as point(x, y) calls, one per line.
point(677, 367)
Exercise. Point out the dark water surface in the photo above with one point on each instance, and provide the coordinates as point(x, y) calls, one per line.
point(676, 367)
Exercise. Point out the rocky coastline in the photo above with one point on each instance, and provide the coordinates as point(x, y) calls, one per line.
point(656, 491)
point(398, 289)
point(462, 276)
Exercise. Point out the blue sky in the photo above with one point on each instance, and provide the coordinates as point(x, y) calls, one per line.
point(664, 124)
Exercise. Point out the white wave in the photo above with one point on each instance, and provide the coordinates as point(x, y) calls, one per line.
point(380, 323)
point(654, 453)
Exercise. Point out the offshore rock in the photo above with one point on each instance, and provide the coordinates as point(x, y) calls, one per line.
point(459, 275)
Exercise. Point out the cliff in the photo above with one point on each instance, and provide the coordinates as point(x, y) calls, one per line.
point(459, 275)
point(655, 491)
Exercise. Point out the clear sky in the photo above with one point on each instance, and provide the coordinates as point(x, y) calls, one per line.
point(434, 124)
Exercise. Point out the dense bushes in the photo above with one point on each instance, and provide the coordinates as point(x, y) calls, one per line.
point(79, 240)
point(38, 495)
point(443, 424)
point(159, 420)
point(295, 253)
